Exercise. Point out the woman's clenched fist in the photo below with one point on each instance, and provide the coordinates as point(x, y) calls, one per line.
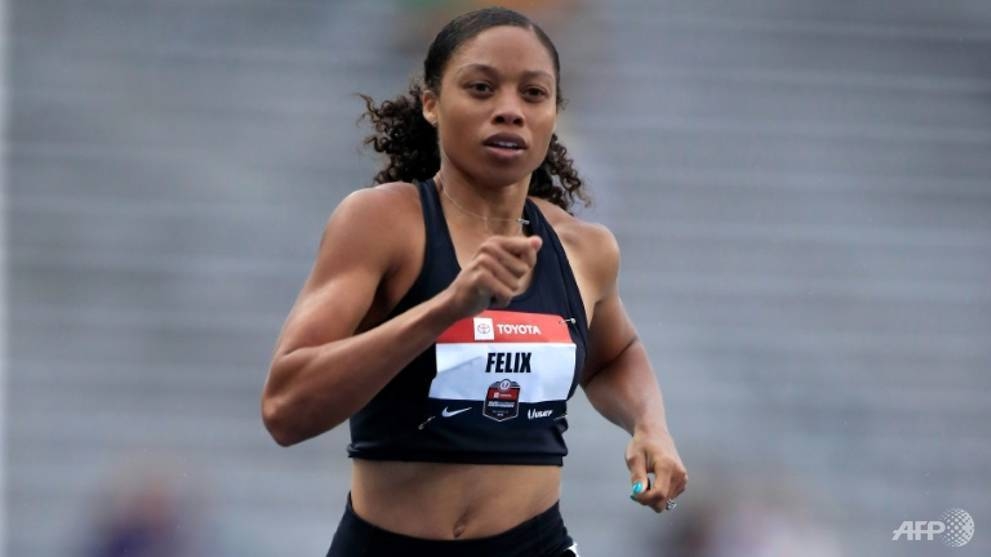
point(494, 275)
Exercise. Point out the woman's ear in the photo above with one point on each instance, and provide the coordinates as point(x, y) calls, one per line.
point(429, 101)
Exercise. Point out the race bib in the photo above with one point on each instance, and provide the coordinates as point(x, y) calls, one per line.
point(502, 359)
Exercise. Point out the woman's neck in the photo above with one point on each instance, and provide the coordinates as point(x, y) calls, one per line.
point(498, 208)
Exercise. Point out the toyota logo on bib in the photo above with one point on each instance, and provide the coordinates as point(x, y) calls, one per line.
point(484, 329)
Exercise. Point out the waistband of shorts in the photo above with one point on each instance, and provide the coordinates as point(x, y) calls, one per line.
point(542, 534)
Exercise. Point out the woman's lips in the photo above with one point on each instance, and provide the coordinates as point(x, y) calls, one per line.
point(505, 147)
point(504, 154)
point(506, 139)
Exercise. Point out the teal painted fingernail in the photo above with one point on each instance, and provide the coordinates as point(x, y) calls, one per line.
point(633, 497)
point(637, 488)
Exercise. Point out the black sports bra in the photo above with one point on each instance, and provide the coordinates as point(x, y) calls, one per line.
point(493, 389)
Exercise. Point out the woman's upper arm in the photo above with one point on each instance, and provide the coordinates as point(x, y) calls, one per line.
point(611, 330)
point(356, 252)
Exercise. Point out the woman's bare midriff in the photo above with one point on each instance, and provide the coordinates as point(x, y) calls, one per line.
point(451, 501)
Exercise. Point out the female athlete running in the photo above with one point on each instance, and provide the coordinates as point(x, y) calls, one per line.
point(454, 308)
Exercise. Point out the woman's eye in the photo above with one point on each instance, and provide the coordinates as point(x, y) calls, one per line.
point(536, 92)
point(480, 87)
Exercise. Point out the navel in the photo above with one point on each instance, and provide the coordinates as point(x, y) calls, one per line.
point(459, 527)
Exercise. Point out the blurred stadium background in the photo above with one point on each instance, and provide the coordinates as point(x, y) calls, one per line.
point(802, 190)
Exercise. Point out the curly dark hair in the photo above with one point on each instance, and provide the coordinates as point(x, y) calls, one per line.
point(410, 142)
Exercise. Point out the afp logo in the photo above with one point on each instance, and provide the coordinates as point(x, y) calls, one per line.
point(956, 529)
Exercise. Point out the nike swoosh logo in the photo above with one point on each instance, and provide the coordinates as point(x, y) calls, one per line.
point(448, 413)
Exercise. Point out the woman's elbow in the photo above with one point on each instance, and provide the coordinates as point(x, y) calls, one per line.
point(290, 423)
point(277, 422)
point(292, 412)
point(279, 408)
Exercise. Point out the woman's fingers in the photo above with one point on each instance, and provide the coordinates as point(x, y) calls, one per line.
point(519, 255)
point(495, 273)
point(505, 260)
point(656, 472)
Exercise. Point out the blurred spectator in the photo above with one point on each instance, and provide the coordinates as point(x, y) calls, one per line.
point(143, 516)
point(763, 519)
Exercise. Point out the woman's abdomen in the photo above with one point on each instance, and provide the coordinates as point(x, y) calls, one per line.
point(444, 501)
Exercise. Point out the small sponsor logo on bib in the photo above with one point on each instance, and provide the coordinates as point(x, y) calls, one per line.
point(502, 401)
point(484, 329)
point(451, 413)
point(522, 330)
point(535, 414)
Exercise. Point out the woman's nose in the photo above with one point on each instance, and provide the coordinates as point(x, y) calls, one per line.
point(508, 112)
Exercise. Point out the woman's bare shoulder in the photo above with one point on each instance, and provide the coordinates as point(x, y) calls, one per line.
point(373, 221)
point(381, 210)
point(592, 244)
point(392, 199)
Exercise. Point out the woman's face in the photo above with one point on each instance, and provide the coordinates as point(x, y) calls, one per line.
point(497, 105)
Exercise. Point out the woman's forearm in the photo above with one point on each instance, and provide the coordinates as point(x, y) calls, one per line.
point(313, 389)
point(626, 392)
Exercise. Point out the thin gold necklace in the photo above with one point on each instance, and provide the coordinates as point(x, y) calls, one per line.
point(521, 221)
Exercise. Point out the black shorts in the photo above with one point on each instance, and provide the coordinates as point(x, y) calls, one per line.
point(542, 536)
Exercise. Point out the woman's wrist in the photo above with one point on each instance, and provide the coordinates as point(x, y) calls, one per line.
point(443, 308)
point(651, 428)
